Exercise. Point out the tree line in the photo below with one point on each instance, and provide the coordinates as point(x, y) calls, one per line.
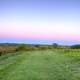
point(8, 48)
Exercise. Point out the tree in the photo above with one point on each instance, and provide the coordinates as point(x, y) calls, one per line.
point(75, 46)
point(55, 45)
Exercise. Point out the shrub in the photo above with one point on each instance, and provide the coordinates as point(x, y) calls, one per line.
point(21, 47)
point(37, 45)
point(0, 53)
point(75, 47)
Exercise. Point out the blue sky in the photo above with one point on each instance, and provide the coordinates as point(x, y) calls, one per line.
point(40, 21)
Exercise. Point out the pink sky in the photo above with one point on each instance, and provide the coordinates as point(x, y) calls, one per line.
point(40, 19)
point(40, 31)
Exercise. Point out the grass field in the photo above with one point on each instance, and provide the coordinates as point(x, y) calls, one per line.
point(40, 65)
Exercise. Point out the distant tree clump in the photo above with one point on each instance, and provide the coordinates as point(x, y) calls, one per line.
point(55, 45)
point(75, 47)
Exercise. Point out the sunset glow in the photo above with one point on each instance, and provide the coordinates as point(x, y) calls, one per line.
point(50, 20)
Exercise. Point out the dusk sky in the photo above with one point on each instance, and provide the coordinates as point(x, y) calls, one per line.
point(40, 21)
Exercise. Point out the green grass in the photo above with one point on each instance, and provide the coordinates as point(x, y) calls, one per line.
point(40, 65)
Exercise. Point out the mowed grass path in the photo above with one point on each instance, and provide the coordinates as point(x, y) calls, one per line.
point(39, 65)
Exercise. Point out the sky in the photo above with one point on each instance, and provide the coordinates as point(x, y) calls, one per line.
point(40, 21)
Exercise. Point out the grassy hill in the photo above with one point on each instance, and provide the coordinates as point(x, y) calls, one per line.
point(40, 65)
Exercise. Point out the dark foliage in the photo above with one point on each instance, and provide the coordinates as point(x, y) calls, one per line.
point(55, 45)
point(0, 53)
point(37, 45)
point(21, 47)
point(75, 47)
